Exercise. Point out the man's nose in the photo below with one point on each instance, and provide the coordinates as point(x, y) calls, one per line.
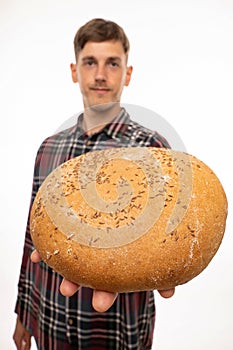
point(100, 73)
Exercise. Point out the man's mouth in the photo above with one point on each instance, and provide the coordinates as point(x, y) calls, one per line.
point(100, 90)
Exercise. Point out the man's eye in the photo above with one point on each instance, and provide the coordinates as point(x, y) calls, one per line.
point(114, 64)
point(89, 63)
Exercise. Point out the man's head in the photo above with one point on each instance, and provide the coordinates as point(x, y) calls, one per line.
point(99, 30)
point(101, 50)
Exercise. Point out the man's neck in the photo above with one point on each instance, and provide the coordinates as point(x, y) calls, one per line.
point(97, 117)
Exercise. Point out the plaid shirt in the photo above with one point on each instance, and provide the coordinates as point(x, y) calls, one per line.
point(59, 322)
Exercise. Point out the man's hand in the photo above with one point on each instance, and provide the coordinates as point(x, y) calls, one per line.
point(21, 337)
point(101, 300)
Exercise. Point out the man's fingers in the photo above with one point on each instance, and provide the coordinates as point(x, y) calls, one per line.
point(23, 344)
point(26, 343)
point(35, 256)
point(102, 301)
point(68, 288)
point(167, 293)
point(21, 336)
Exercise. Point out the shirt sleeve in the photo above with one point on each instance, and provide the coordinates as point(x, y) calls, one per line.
point(23, 303)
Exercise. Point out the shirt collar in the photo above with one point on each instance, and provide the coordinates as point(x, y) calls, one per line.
point(115, 129)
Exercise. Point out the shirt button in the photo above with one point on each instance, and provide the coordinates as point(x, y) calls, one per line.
point(70, 321)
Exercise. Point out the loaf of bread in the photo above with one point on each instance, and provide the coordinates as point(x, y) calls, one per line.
point(129, 219)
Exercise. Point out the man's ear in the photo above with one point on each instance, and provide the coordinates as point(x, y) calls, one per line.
point(128, 75)
point(74, 72)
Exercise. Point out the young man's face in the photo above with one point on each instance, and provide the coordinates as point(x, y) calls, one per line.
point(101, 71)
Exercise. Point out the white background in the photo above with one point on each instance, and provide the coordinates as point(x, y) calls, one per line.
point(182, 55)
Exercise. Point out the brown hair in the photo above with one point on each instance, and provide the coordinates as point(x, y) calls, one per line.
point(98, 30)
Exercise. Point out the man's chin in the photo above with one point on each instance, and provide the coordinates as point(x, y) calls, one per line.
point(103, 107)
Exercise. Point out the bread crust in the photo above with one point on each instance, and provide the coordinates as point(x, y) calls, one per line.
point(129, 219)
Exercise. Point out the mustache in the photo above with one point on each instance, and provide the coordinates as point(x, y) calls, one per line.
point(99, 85)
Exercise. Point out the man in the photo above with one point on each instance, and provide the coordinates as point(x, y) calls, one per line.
point(58, 313)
